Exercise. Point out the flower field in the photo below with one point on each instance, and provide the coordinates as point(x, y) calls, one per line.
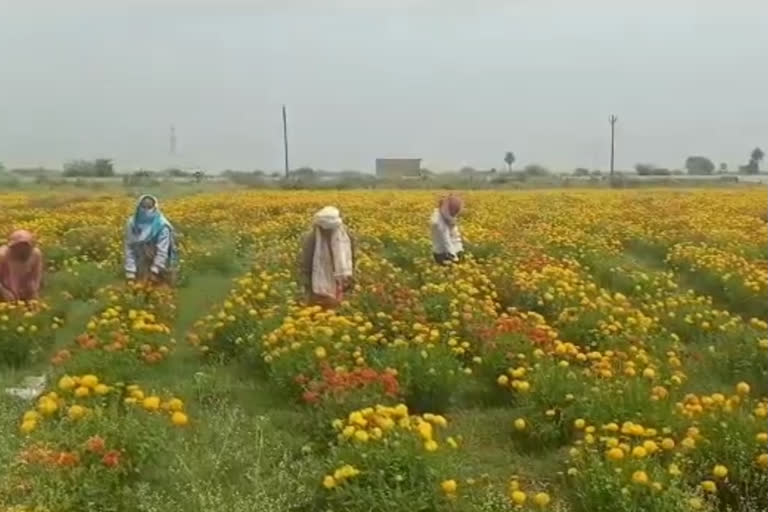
point(597, 351)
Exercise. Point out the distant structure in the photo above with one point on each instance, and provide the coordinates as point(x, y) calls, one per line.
point(398, 167)
point(172, 146)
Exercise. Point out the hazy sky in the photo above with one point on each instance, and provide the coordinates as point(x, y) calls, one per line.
point(456, 83)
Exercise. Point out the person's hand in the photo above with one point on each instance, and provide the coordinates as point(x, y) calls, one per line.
point(7, 295)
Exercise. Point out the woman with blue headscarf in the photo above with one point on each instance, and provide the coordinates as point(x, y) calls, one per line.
point(150, 252)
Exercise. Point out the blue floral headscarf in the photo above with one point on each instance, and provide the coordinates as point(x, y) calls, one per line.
point(145, 226)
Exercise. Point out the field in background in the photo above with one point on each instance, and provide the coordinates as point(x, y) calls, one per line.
point(598, 351)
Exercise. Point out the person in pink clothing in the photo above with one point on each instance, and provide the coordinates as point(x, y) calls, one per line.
point(21, 267)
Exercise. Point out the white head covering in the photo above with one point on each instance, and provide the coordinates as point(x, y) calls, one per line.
point(328, 218)
point(332, 259)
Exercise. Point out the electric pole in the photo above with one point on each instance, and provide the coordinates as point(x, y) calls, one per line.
point(613, 120)
point(285, 140)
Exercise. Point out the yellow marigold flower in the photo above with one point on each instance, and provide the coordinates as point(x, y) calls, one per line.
point(541, 499)
point(615, 454)
point(449, 486)
point(329, 482)
point(89, 381)
point(518, 497)
point(75, 412)
point(179, 419)
point(668, 444)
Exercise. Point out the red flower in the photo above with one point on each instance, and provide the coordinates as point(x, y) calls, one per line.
point(111, 459)
point(67, 459)
point(310, 397)
point(95, 444)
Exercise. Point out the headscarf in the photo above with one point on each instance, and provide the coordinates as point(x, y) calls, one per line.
point(329, 218)
point(21, 236)
point(146, 226)
point(333, 261)
point(450, 207)
point(22, 278)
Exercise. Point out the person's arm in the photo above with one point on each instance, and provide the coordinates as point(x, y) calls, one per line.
point(5, 293)
point(130, 257)
point(163, 248)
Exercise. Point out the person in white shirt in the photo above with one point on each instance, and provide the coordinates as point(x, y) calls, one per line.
point(447, 245)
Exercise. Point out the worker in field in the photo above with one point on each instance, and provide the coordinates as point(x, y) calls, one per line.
point(327, 259)
point(21, 268)
point(150, 250)
point(447, 245)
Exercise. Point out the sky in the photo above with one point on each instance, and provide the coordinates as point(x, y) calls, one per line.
point(453, 82)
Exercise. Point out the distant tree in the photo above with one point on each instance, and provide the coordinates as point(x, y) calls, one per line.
point(651, 170)
point(509, 159)
point(581, 171)
point(723, 168)
point(536, 170)
point(79, 168)
point(644, 169)
point(103, 168)
point(99, 168)
point(2, 167)
point(753, 167)
point(176, 173)
point(699, 165)
point(755, 158)
point(306, 173)
point(198, 175)
point(467, 170)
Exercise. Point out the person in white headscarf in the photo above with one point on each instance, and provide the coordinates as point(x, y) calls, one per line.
point(327, 259)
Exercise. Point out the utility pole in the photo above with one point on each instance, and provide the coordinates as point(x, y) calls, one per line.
point(285, 140)
point(613, 120)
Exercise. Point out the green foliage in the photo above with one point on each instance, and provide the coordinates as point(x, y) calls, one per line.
point(99, 168)
point(699, 165)
point(429, 378)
